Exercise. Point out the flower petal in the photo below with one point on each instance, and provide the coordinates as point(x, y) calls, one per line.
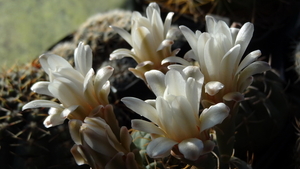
point(213, 115)
point(41, 88)
point(41, 103)
point(234, 96)
point(55, 118)
point(251, 57)
point(141, 108)
point(191, 148)
point(125, 35)
point(160, 147)
point(74, 128)
point(156, 82)
point(146, 126)
point(244, 36)
point(213, 87)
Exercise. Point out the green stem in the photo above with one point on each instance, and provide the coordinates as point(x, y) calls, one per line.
point(226, 135)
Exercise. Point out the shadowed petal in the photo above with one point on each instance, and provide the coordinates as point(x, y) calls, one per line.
point(156, 81)
point(160, 147)
point(141, 108)
point(213, 115)
point(145, 126)
point(191, 148)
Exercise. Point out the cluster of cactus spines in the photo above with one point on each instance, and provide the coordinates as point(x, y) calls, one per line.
point(96, 33)
point(264, 119)
point(24, 141)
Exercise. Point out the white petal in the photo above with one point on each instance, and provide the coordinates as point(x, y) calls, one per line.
point(168, 22)
point(251, 57)
point(210, 24)
point(69, 110)
point(120, 53)
point(41, 88)
point(194, 72)
point(189, 36)
point(193, 94)
point(213, 115)
point(78, 155)
point(141, 108)
point(175, 83)
point(253, 68)
point(156, 81)
point(191, 148)
point(53, 62)
point(145, 126)
point(175, 59)
point(244, 36)
point(213, 87)
point(74, 128)
point(41, 103)
point(102, 76)
point(165, 43)
point(229, 65)
point(83, 58)
point(55, 118)
point(190, 56)
point(160, 147)
point(124, 34)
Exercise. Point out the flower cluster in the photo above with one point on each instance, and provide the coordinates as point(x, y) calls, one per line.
point(176, 123)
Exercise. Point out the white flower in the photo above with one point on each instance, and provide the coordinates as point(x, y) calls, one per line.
point(150, 38)
point(175, 114)
point(97, 145)
point(219, 55)
point(78, 89)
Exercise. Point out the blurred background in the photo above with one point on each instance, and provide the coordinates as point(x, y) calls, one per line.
point(29, 28)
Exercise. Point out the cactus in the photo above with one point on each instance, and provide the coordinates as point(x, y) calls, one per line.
point(263, 122)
